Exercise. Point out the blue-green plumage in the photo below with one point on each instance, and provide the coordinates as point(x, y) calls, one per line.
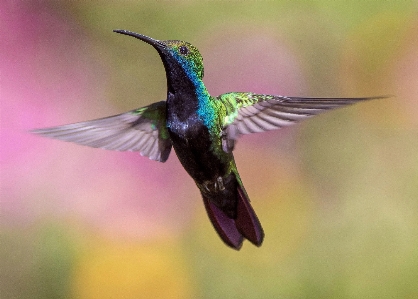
point(202, 130)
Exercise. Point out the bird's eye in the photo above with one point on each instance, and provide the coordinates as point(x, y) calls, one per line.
point(184, 50)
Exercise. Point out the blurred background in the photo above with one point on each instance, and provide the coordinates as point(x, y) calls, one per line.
point(336, 194)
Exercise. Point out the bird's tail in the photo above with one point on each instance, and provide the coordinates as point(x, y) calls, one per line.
point(233, 230)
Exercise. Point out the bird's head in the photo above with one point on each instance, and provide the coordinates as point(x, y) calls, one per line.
point(180, 58)
point(186, 54)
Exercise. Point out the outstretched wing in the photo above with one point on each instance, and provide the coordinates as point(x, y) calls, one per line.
point(247, 113)
point(143, 130)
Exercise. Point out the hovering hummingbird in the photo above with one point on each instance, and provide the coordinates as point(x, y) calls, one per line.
point(203, 130)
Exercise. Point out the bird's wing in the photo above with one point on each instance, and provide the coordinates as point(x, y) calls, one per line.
point(143, 130)
point(246, 113)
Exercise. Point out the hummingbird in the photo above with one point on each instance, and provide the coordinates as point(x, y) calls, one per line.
point(203, 130)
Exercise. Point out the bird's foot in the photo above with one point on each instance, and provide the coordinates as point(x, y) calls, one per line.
point(216, 185)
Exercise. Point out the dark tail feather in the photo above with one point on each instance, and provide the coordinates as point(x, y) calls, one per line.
point(244, 225)
point(224, 225)
point(247, 222)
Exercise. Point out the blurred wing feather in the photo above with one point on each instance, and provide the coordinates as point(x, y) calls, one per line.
point(143, 130)
point(246, 113)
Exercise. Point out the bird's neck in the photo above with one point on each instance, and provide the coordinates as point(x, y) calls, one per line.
point(188, 99)
point(188, 96)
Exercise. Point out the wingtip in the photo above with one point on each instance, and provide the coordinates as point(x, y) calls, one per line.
point(387, 96)
point(375, 97)
point(37, 131)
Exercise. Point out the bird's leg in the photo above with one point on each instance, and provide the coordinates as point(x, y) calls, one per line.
point(220, 183)
point(227, 143)
point(206, 185)
point(214, 186)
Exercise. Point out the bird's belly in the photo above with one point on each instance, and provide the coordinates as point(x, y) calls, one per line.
point(195, 149)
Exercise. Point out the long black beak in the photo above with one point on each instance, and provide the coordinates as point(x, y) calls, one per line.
point(153, 42)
